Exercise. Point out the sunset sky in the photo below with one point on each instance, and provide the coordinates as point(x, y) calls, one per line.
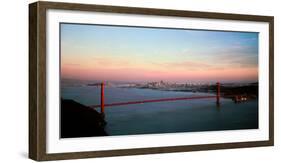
point(114, 53)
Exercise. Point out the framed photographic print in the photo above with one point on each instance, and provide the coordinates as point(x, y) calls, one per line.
point(111, 81)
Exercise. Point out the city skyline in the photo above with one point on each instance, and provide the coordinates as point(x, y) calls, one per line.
point(135, 54)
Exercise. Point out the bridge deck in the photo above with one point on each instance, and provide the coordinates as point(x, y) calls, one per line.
point(153, 100)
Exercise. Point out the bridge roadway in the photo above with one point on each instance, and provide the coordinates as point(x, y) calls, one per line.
point(153, 100)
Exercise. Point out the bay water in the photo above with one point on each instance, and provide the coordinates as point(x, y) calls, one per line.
point(165, 117)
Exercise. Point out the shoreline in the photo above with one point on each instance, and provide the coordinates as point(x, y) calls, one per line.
point(248, 91)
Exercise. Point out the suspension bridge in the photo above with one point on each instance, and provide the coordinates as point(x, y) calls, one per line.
point(102, 105)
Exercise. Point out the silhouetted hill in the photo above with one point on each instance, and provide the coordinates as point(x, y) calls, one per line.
point(78, 120)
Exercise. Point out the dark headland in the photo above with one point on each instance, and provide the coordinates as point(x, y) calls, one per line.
point(78, 120)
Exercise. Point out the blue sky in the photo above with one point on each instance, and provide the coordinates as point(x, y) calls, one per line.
point(158, 51)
